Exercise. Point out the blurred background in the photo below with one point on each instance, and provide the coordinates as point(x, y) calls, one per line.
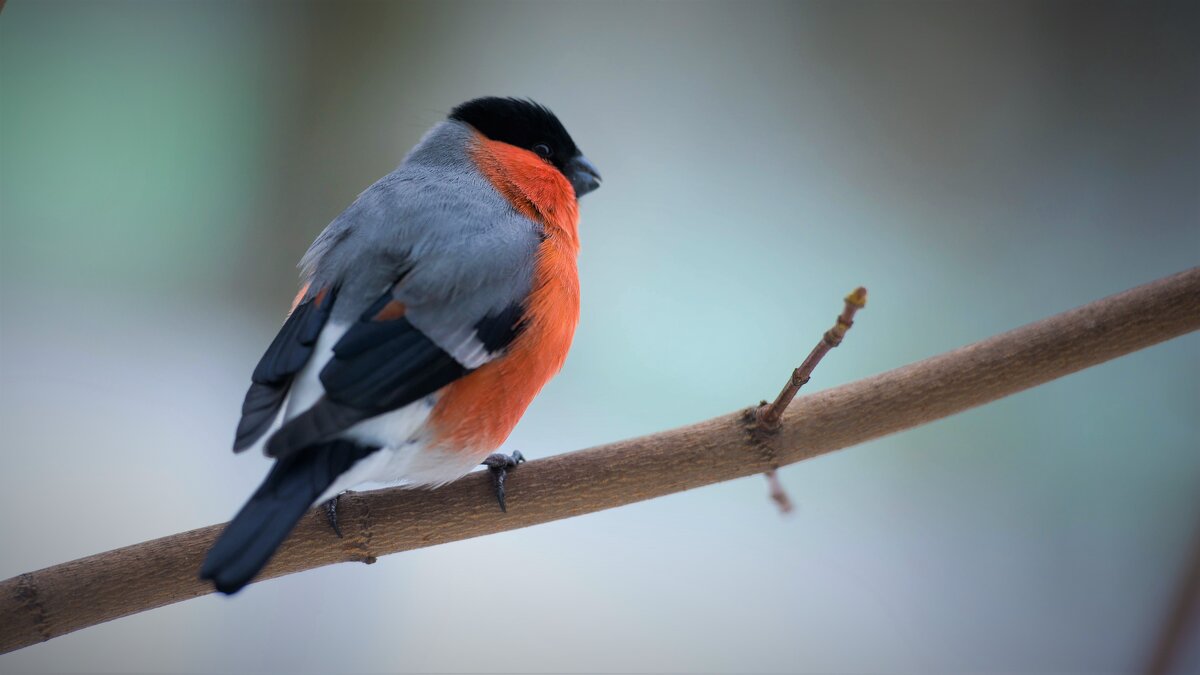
point(978, 166)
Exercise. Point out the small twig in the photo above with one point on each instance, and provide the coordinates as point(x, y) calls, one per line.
point(768, 415)
point(1183, 616)
point(778, 494)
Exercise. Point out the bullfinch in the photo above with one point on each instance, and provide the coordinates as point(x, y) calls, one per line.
point(432, 311)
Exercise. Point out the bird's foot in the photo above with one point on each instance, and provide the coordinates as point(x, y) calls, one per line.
point(500, 464)
point(331, 514)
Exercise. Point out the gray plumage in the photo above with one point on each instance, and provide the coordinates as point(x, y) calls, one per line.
point(475, 251)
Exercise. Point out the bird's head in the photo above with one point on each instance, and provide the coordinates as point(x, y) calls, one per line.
point(531, 127)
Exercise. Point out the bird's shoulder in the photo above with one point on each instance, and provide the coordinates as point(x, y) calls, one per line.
point(444, 228)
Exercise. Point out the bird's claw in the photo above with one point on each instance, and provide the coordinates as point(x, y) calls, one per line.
point(500, 464)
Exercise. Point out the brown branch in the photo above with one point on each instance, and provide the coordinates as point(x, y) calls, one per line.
point(767, 415)
point(64, 598)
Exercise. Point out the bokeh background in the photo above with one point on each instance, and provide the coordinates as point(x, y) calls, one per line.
point(977, 166)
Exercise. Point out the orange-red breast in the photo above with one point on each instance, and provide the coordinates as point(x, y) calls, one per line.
point(433, 310)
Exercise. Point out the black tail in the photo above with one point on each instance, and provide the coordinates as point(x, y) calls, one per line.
point(292, 486)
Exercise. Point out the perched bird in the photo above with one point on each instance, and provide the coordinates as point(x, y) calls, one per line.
point(432, 311)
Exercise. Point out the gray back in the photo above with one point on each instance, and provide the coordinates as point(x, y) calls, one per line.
point(463, 250)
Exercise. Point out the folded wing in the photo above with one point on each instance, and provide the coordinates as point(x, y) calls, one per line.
point(386, 361)
point(272, 378)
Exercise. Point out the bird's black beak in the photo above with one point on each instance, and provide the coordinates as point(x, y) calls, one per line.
point(583, 175)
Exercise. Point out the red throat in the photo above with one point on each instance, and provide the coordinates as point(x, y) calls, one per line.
point(533, 186)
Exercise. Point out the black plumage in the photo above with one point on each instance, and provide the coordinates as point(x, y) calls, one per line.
point(497, 331)
point(273, 375)
point(377, 367)
point(293, 484)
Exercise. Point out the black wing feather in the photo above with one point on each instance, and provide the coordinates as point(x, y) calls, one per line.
point(386, 366)
point(383, 365)
point(289, 351)
point(497, 331)
point(377, 367)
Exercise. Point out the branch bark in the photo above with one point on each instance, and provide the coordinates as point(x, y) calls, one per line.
point(57, 600)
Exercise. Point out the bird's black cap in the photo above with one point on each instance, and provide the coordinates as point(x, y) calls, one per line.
point(532, 126)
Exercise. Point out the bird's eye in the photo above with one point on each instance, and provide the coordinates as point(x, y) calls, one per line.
point(543, 150)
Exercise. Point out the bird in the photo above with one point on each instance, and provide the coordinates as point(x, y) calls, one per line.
point(430, 314)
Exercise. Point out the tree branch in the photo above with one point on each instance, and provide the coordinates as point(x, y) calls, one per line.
point(768, 415)
point(64, 598)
